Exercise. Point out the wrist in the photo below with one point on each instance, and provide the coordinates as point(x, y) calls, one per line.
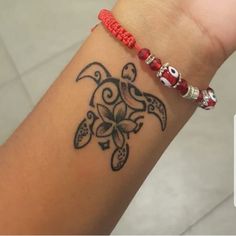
point(173, 36)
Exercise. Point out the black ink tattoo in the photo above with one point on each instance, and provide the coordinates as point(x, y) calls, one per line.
point(117, 109)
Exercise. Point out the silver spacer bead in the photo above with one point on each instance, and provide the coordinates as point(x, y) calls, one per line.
point(150, 59)
point(192, 93)
point(195, 94)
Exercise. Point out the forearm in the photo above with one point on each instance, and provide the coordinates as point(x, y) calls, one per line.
point(60, 189)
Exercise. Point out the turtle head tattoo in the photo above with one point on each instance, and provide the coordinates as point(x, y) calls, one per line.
point(116, 111)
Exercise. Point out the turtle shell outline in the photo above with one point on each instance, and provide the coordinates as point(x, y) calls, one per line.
point(117, 111)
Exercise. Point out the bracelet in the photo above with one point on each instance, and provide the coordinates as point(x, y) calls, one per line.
point(167, 74)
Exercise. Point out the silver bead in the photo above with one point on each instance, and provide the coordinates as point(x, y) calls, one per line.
point(192, 93)
point(150, 59)
point(195, 94)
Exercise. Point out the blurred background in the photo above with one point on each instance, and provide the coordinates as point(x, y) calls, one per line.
point(190, 191)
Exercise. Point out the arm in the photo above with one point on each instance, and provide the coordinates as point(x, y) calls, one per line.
point(48, 186)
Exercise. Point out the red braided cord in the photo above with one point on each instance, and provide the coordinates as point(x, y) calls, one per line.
point(116, 29)
point(203, 97)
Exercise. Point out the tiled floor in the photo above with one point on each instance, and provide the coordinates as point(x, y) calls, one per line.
point(190, 191)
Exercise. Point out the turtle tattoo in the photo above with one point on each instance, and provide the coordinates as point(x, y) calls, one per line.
point(117, 109)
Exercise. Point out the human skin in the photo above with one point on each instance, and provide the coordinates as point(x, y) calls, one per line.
point(49, 187)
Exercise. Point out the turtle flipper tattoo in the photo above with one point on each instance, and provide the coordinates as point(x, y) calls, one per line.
point(117, 110)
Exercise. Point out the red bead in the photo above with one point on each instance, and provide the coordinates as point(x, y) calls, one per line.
point(156, 64)
point(182, 87)
point(200, 96)
point(209, 99)
point(144, 53)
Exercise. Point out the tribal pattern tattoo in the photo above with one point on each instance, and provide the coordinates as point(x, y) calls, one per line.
point(117, 110)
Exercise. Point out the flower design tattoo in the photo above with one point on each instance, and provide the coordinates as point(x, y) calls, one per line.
point(117, 110)
point(115, 123)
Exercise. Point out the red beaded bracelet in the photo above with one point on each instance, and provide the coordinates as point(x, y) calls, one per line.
point(167, 74)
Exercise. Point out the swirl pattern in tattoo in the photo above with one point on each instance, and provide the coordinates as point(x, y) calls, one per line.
point(117, 110)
